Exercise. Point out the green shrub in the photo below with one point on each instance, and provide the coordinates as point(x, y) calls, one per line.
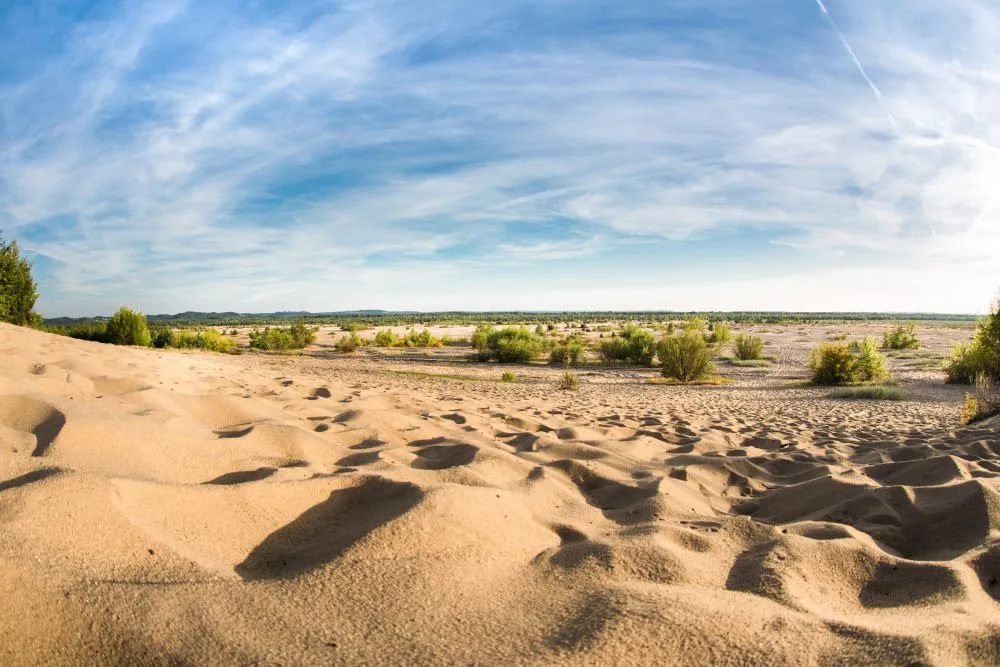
point(633, 345)
point(18, 290)
point(164, 338)
point(508, 377)
point(685, 357)
point(128, 327)
point(981, 357)
point(984, 403)
point(539, 330)
point(348, 343)
point(481, 339)
point(97, 332)
point(272, 338)
point(568, 382)
point(568, 352)
point(451, 341)
point(870, 364)
point(422, 339)
point(833, 364)
point(302, 335)
point(720, 334)
point(748, 347)
point(513, 345)
point(386, 338)
point(903, 337)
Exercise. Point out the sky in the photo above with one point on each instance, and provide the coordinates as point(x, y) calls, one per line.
point(261, 155)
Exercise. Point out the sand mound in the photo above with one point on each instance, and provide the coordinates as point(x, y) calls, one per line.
point(169, 507)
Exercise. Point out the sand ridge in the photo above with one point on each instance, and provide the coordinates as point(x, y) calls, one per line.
point(184, 507)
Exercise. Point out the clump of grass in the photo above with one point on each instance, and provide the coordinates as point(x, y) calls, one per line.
point(685, 357)
point(872, 392)
point(386, 338)
point(748, 347)
point(348, 343)
point(568, 382)
point(981, 404)
point(719, 333)
point(439, 376)
point(903, 337)
point(708, 380)
point(128, 327)
point(508, 377)
point(209, 339)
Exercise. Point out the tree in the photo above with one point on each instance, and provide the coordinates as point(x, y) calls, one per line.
point(18, 290)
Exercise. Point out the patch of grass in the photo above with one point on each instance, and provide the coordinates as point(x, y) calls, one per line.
point(708, 380)
point(751, 363)
point(441, 376)
point(983, 403)
point(508, 377)
point(568, 382)
point(870, 392)
point(748, 347)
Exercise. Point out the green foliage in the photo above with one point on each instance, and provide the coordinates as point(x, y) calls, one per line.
point(833, 364)
point(696, 324)
point(128, 327)
point(386, 338)
point(720, 334)
point(870, 364)
point(981, 357)
point(539, 330)
point(97, 332)
point(421, 339)
point(508, 377)
point(294, 337)
point(348, 343)
point(751, 363)
point(18, 290)
point(685, 357)
point(748, 347)
point(513, 345)
point(568, 352)
point(568, 382)
point(209, 339)
point(481, 340)
point(903, 337)
point(633, 345)
point(164, 338)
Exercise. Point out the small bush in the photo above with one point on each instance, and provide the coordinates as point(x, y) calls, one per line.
point(513, 345)
point(508, 377)
point(633, 345)
point(982, 404)
point(164, 338)
point(903, 337)
point(539, 330)
point(748, 347)
point(567, 353)
point(720, 334)
point(294, 337)
point(870, 364)
point(348, 343)
point(128, 327)
point(386, 338)
point(421, 339)
point(833, 364)
point(685, 357)
point(981, 357)
point(568, 382)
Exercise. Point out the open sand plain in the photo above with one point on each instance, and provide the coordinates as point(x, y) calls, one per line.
point(189, 508)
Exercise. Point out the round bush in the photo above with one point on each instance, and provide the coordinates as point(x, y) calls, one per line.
point(128, 327)
point(833, 364)
point(686, 357)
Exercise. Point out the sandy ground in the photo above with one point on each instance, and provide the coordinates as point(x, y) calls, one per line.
point(179, 507)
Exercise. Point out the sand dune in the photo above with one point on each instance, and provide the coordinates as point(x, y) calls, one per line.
point(164, 507)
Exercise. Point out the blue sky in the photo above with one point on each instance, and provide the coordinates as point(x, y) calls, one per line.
point(446, 154)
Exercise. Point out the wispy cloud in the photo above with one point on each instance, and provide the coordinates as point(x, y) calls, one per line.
point(208, 155)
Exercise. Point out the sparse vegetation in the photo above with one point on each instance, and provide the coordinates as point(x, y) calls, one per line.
point(981, 404)
point(347, 343)
point(720, 334)
point(685, 357)
point(981, 357)
point(870, 364)
point(386, 338)
point(903, 337)
point(18, 290)
point(876, 392)
point(751, 363)
point(508, 376)
point(294, 337)
point(568, 352)
point(128, 327)
point(747, 347)
point(568, 382)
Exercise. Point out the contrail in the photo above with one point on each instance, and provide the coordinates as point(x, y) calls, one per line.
point(861, 68)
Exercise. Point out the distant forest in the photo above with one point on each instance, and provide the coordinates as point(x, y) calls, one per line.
point(377, 318)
